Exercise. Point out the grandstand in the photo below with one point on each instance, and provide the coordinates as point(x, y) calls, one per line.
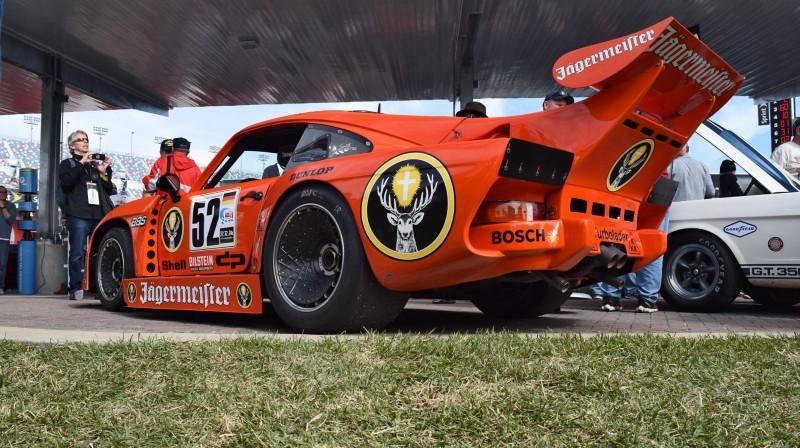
point(16, 154)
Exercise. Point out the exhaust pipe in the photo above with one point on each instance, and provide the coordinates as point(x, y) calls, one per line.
point(609, 256)
point(621, 261)
point(556, 281)
point(606, 277)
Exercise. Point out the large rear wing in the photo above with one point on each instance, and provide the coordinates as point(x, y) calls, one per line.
point(685, 64)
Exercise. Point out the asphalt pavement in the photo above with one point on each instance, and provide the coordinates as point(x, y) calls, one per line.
point(56, 319)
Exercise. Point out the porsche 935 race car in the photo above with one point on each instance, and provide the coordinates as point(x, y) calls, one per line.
point(719, 247)
point(508, 212)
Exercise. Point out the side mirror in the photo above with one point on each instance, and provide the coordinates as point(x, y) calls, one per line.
point(170, 184)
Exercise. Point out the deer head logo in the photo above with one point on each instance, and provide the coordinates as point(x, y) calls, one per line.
point(405, 222)
point(172, 229)
point(629, 164)
point(408, 206)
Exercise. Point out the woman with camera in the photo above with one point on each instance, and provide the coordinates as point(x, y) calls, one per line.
point(86, 182)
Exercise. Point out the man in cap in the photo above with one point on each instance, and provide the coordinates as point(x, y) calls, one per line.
point(473, 109)
point(149, 181)
point(174, 160)
point(284, 155)
point(186, 169)
point(787, 155)
point(556, 99)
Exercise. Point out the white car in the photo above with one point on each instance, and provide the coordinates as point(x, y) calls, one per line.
point(719, 247)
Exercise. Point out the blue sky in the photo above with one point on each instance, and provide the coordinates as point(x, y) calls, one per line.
point(212, 126)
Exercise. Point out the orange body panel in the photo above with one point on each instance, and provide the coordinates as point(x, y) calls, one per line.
point(415, 194)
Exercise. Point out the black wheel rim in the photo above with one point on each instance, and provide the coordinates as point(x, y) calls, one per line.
point(693, 271)
point(307, 262)
point(111, 268)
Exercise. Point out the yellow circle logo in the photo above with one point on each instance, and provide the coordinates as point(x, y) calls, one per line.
point(131, 292)
point(408, 206)
point(629, 164)
point(172, 229)
point(244, 295)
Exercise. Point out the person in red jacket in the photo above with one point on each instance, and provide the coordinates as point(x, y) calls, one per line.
point(149, 180)
point(177, 162)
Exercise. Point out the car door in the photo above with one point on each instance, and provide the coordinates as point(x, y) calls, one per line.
point(212, 229)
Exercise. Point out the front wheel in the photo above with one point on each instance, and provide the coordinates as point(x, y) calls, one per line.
point(317, 276)
point(518, 300)
point(700, 273)
point(113, 264)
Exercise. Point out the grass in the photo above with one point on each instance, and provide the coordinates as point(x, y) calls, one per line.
point(467, 390)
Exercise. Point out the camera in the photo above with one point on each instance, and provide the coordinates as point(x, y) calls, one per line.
point(98, 157)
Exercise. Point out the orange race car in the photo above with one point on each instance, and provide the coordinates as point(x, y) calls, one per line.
point(508, 212)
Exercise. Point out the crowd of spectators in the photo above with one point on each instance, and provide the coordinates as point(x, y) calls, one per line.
point(15, 153)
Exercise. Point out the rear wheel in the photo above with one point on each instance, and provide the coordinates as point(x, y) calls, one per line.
point(518, 300)
point(700, 273)
point(773, 297)
point(315, 270)
point(113, 264)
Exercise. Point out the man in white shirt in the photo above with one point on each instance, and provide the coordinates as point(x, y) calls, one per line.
point(787, 155)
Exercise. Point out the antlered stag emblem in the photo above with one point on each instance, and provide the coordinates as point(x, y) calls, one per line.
point(405, 222)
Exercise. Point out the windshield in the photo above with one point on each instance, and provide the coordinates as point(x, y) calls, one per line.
point(757, 158)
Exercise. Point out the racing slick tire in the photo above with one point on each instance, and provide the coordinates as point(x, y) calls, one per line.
point(114, 262)
point(700, 273)
point(518, 300)
point(773, 298)
point(315, 271)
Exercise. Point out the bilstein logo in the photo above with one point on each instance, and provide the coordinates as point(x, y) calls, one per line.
point(629, 164)
point(172, 229)
point(408, 206)
point(131, 292)
point(244, 295)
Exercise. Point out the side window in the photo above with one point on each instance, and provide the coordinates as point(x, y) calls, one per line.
point(253, 154)
point(324, 142)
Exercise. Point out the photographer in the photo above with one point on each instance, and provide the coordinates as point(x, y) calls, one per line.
point(86, 180)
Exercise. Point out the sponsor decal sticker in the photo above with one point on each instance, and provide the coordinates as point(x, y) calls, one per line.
point(740, 229)
point(244, 295)
point(625, 45)
point(201, 263)
point(138, 221)
point(229, 259)
point(408, 206)
point(172, 229)
point(205, 294)
point(692, 64)
point(611, 235)
point(343, 149)
point(168, 265)
point(629, 164)
point(213, 220)
point(775, 244)
point(132, 292)
point(518, 236)
point(552, 237)
point(310, 173)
